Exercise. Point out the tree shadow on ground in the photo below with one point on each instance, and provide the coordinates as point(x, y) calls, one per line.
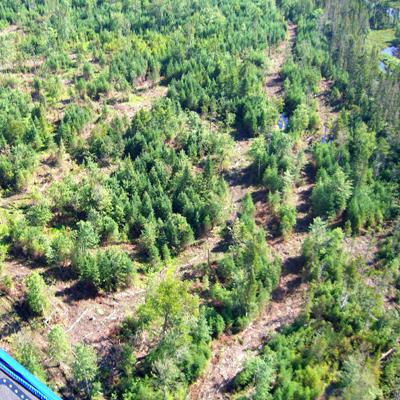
point(77, 292)
point(60, 274)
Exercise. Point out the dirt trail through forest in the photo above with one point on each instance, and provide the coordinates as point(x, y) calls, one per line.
point(277, 57)
point(325, 111)
point(230, 351)
point(237, 174)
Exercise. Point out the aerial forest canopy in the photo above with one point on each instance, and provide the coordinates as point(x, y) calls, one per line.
point(199, 199)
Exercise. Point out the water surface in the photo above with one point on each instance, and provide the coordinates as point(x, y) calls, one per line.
point(283, 122)
point(389, 51)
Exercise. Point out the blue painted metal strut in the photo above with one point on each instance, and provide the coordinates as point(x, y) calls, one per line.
point(20, 375)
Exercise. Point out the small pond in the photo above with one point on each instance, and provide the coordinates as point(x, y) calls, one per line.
point(389, 51)
point(283, 122)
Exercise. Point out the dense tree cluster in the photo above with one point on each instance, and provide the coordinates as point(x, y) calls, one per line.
point(344, 323)
point(172, 324)
point(348, 166)
point(277, 167)
point(214, 67)
point(355, 158)
point(23, 131)
point(155, 195)
point(360, 161)
point(177, 330)
point(164, 193)
point(170, 203)
point(243, 281)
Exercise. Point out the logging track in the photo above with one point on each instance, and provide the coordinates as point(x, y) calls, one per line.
point(229, 352)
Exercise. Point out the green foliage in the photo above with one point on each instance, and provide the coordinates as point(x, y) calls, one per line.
point(37, 298)
point(301, 119)
point(372, 97)
point(272, 159)
point(59, 348)
point(245, 278)
point(109, 270)
point(154, 195)
point(62, 246)
point(170, 318)
point(391, 376)
point(30, 240)
point(201, 83)
point(20, 122)
point(84, 368)
point(369, 206)
point(276, 167)
point(3, 254)
point(361, 148)
point(323, 252)
point(258, 115)
point(287, 215)
point(259, 372)
point(195, 201)
point(330, 346)
point(358, 380)
point(71, 125)
point(302, 73)
point(39, 214)
point(86, 237)
point(331, 193)
point(168, 306)
point(28, 355)
point(98, 86)
point(16, 166)
point(215, 321)
point(365, 199)
point(106, 141)
point(157, 181)
point(390, 248)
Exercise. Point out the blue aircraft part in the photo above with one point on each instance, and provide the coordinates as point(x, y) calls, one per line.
point(16, 382)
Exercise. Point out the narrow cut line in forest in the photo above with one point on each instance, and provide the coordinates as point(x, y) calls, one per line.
point(273, 81)
point(288, 300)
point(326, 112)
point(229, 352)
point(236, 175)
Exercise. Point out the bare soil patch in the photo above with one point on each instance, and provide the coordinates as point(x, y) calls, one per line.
point(277, 57)
point(327, 114)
